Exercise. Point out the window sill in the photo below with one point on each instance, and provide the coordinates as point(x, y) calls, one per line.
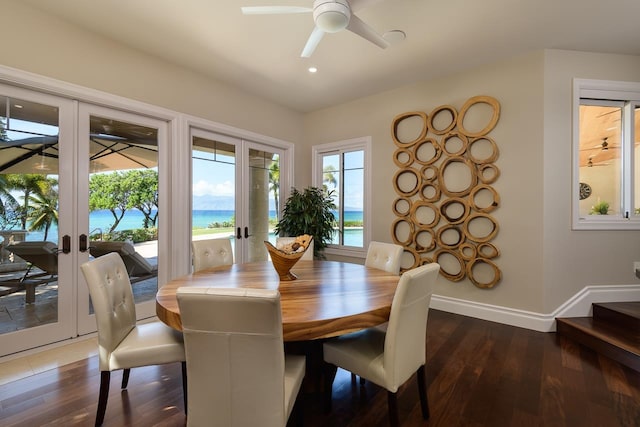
point(344, 251)
point(603, 224)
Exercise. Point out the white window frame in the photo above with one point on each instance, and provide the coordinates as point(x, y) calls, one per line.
point(606, 91)
point(339, 147)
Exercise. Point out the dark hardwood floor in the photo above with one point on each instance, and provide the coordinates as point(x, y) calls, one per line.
point(478, 374)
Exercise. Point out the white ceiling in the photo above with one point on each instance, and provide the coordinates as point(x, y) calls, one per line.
point(261, 54)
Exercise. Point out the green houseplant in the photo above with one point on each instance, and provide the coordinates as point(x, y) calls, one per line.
point(309, 212)
point(600, 208)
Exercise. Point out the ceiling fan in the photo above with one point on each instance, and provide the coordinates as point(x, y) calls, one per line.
point(591, 164)
point(329, 16)
point(603, 146)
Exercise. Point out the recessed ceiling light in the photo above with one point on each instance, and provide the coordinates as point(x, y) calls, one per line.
point(313, 70)
point(394, 36)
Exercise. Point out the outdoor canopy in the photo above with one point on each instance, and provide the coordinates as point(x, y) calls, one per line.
point(107, 153)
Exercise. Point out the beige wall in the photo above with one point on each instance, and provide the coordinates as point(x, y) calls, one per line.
point(575, 259)
point(518, 85)
point(544, 262)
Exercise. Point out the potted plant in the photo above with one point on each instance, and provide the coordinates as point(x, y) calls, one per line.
point(309, 212)
point(600, 208)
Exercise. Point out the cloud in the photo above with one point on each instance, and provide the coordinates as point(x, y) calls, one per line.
point(206, 188)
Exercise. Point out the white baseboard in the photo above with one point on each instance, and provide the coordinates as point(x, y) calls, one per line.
point(52, 346)
point(577, 306)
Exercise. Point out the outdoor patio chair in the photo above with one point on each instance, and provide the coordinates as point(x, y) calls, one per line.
point(137, 265)
point(43, 256)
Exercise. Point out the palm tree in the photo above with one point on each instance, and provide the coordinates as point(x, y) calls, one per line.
point(7, 201)
point(274, 185)
point(29, 184)
point(3, 131)
point(44, 209)
point(328, 175)
point(9, 206)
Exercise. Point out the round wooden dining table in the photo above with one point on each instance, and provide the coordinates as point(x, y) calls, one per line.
point(327, 299)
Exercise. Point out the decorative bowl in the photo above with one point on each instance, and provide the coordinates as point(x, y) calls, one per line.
point(283, 261)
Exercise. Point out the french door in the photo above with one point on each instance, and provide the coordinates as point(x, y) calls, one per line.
point(235, 192)
point(73, 177)
point(37, 264)
point(118, 186)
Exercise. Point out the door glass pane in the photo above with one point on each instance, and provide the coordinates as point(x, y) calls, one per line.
point(636, 163)
point(353, 199)
point(213, 189)
point(28, 214)
point(331, 176)
point(264, 193)
point(123, 198)
point(600, 160)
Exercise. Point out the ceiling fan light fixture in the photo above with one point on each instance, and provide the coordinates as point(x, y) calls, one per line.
point(331, 16)
point(394, 36)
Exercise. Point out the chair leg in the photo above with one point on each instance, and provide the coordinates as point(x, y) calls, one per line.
point(184, 386)
point(125, 378)
point(392, 402)
point(422, 389)
point(354, 378)
point(329, 375)
point(297, 413)
point(30, 293)
point(105, 378)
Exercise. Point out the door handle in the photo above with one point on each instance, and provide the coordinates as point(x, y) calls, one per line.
point(66, 244)
point(246, 232)
point(82, 243)
point(238, 233)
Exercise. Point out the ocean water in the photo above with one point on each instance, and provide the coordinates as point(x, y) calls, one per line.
point(102, 220)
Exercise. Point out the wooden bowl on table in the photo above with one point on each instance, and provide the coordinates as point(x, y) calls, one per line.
point(283, 261)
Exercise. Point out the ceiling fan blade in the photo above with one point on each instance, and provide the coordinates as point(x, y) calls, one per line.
point(312, 43)
point(357, 26)
point(273, 10)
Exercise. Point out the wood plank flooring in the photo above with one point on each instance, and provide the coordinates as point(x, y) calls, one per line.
point(478, 374)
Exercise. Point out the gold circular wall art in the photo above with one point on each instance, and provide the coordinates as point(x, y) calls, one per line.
point(404, 116)
point(445, 186)
point(492, 102)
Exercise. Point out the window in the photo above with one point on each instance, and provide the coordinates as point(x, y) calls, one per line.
point(343, 169)
point(606, 187)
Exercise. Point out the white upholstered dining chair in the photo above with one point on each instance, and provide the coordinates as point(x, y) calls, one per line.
point(384, 256)
point(387, 257)
point(210, 253)
point(123, 344)
point(390, 357)
point(238, 373)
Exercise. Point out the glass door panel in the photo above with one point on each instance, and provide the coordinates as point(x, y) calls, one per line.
point(263, 200)
point(235, 192)
point(34, 194)
point(120, 151)
point(213, 200)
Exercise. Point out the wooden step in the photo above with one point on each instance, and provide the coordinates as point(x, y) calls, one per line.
point(623, 314)
point(613, 331)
